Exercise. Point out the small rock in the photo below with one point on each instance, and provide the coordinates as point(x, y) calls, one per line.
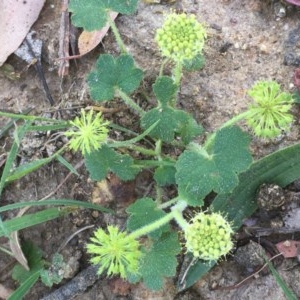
point(250, 256)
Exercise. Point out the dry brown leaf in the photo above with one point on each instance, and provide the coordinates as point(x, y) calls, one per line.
point(16, 19)
point(288, 248)
point(89, 40)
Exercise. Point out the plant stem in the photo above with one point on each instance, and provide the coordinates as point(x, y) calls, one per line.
point(168, 203)
point(175, 212)
point(158, 149)
point(178, 73)
point(141, 150)
point(130, 102)
point(116, 34)
point(161, 70)
point(153, 163)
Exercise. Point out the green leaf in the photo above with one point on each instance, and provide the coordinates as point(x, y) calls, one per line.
point(27, 168)
point(195, 64)
point(24, 288)
point(56, 202)
point(165, 175)
point(189, 130)
point(27, 278)
point(296, 97)
point(143, 212)
point(100, 162)
point(160, 261)
point(34, 258)
point(170, 122)
point(29, 220)
point(20, 132)
point(281, 167)
point(92, 14)
point(53, 275)
point(112, 74)
point(200, 172)
point(164, 89)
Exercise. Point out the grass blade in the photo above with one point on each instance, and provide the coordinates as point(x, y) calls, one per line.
point(56, 202)
point(31, 220)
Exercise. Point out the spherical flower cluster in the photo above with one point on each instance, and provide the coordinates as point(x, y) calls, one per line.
point(208, 236)
point(89, 132)
point(181, 37)
point(114, 251)
point(270, 113)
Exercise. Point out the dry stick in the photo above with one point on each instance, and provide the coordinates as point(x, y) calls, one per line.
point(64, 32)
point(76, 286)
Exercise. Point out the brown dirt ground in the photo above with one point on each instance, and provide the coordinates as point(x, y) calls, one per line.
point(213, 95)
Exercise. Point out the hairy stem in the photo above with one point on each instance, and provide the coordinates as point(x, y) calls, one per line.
point(116, 34)
point(130, 102)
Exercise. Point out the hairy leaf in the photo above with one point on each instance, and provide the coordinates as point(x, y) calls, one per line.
point(100, 162)
point(169, 119)
point(160, 261)
point(143, 212)
point(195, 64)
point(164, 89)
point(200, 172)
point(165, 175)
point(112, 74)
point(92, 14)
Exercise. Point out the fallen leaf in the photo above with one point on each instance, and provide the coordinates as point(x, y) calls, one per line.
point(288, 248)
point(295, 2)
point(16, 19)
point(88, 40)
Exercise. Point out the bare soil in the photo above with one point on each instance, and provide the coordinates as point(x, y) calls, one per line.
point(248, 41)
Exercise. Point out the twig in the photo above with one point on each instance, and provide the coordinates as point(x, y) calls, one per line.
point(76, 286)
point(64, 32)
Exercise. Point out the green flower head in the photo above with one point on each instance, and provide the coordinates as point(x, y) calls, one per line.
point(89, 132)
point(208, 236)
point(270, 113)
point(181, 37)
point(114, 251)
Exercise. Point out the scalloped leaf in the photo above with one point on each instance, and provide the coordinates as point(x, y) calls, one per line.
point(143, 212)
point(164, 89)
point(170, 121)
point(281, 167)
point(92, 14)
point(112, 74)
point(200, 172)
point(195, 64)
point(165, 175)
point(160, 261)
point(100, 162)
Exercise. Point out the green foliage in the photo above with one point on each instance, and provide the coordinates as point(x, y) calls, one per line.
point(195, 64)
point(100, 162)
point(29, 220)
point(37, 270)
point(160, 260)
point(92, 15)
point(165, 175)
point(281, 167)
point(53, 275)
point(221, 165)
point(113, 74)
point(171, 121)
point(200, 171)
point(144, 211)
point(28, 278)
